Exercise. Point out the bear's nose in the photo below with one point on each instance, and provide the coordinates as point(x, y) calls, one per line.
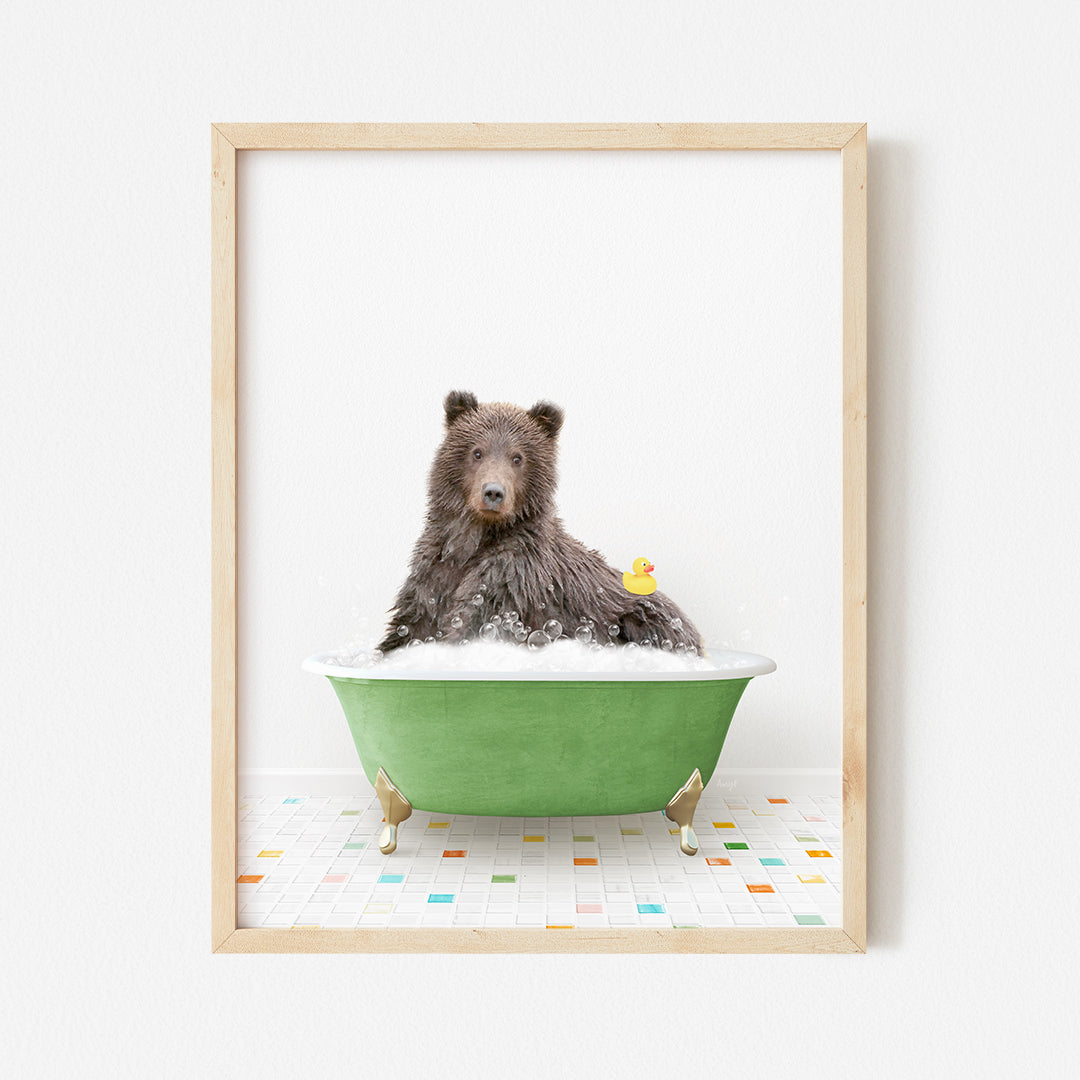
point(493, 495)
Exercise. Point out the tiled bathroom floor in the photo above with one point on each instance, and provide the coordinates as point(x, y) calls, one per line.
point(309, 861)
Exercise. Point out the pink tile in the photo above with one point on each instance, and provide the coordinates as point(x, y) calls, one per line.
point(583, 908)
point(335, 879)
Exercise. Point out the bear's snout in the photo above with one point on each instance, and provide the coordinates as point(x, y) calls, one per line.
point(493, 495)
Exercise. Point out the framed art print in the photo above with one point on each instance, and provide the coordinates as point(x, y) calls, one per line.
point(587, 396)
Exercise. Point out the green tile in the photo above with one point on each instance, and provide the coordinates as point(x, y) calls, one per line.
point(504, 878)
point(354, 847)
point(809, 920)
point(584, 839)
point(737, 846)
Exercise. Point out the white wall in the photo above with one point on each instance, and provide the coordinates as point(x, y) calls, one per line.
point(683, 308)
point(104, 439)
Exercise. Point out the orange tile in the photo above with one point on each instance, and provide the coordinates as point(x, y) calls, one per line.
point(436, 824)
point(778, 800)
point(718, 862)
point(453, 854)
point(820, 854)
point(586, 862)
point(560, 926)
point(761, 888)
point(250, 879)
point(533, 839)
point(723, 824)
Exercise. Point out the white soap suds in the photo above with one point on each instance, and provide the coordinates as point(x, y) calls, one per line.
point(477, 655)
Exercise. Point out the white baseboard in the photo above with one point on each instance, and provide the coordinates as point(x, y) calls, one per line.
point(723, 782)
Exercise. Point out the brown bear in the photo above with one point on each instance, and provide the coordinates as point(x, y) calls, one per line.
point(494, 557)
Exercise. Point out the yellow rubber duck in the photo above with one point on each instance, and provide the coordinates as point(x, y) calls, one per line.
point(639, 581)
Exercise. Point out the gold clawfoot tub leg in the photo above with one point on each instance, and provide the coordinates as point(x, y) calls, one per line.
point(395, 807)
point(681, 811)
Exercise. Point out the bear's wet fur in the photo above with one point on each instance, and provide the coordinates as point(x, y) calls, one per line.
point(492, 531)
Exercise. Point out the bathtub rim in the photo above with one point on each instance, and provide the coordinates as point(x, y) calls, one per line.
point(740, 665)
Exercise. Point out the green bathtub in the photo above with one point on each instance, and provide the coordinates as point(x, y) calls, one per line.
point(541, 744)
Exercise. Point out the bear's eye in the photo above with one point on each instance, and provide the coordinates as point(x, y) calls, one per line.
point(477, 454)
point(516, 459)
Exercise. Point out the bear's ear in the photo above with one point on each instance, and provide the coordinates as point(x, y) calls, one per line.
point(458, 402)
point(549, 416)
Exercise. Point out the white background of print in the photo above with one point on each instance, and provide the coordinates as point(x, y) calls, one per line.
point(684, 309)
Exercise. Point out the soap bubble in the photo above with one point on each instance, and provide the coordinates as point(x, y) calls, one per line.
point(477, 600)
point(611, 645)
point(415, 643)
point(538, 639)
point(553, 628)
point(429, 639)
point(583, 634)
point(677, 623)
point(681, 647)
point(512, 616)
point(631, 648)
point(457, 622)
point(402, 631)
point(482, 588)
point(666, 645)
point(647, 643)
point(496, 620)
point(613, 629)
point(489, 631)
point(520, 634)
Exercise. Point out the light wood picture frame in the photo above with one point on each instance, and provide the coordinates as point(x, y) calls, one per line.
point(227, 140)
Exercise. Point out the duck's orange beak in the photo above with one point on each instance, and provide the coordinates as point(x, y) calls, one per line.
point(650, 568)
